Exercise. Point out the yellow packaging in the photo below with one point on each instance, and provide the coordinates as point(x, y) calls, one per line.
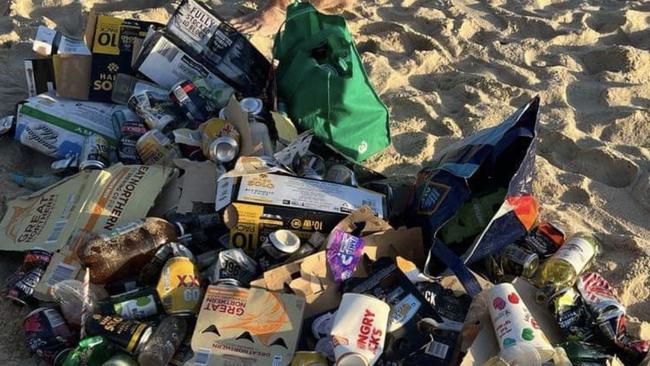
point(179, 287)
point(241, 326)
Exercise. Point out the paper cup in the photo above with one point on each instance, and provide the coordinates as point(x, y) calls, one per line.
point(359, 330)
point(513, 323)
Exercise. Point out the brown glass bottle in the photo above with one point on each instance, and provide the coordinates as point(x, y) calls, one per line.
point(125, 250)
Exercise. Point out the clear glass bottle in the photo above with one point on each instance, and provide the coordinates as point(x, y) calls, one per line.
point(564, 267)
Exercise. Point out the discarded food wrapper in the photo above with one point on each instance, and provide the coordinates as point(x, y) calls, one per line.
point(255, 325)
point(408, 308)
point(343, 253)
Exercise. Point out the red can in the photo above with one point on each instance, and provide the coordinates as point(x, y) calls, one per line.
point(21, 283)
point(47, 335)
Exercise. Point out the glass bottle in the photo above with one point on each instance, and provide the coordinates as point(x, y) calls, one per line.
point(564, 267)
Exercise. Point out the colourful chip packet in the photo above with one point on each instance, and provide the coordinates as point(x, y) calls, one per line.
point(343, 253)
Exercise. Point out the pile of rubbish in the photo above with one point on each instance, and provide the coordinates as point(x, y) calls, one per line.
point(201, 211)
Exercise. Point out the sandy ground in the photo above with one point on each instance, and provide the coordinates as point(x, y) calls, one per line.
point(447, 68)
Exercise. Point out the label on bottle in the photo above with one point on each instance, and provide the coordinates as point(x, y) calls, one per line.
point(140, 308)
point(577, 252)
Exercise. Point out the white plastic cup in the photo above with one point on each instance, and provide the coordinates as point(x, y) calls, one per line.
point(517, 332)
point(359, 330)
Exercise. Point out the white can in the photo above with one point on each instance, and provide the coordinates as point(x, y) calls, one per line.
point(515, 327)
point(359, 330)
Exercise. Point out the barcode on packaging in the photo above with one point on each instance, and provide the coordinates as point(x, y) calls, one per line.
point(437, 349)
point(202, 357)
point(56, 231)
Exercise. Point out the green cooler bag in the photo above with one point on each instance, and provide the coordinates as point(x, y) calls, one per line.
point(321, 79)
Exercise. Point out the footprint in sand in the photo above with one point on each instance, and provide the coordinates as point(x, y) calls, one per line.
point(595, 163)
point(605, 22)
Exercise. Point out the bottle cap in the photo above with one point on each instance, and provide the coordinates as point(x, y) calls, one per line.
point(285, 241)
point(251, 105)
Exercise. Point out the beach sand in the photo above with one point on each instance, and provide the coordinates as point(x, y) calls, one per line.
point(447, 68)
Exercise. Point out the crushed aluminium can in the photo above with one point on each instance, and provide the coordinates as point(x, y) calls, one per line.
point(47, 335)
point(610, 316)
point(130, 335)
point(21, 284)
point(95, 153)
point(517, 261)
point(179, 287)
point(154, 109)
point(234, 264)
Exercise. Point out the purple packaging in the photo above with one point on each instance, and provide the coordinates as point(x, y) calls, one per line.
point(343, 253)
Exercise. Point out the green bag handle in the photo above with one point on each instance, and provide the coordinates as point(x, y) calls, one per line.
point(314, 25)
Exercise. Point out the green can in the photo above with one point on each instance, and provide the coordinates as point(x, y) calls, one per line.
point(91, 351)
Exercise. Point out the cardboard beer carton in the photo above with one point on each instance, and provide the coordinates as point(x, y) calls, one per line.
point(166, 63)
point(220, 47)
point(57, 127)
point(57, 218)
point(264, 203)
point(111, 41)
point(252, 327)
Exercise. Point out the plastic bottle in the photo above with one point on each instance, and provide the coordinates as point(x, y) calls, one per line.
point(564, 267)
point(69, 295)
point(260, 136)
point(125, 250)
point(164, 342)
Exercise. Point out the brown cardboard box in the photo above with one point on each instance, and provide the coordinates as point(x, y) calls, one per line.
point(253, 327)
point(310, 276)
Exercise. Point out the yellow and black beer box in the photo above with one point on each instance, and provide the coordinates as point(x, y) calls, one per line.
point(260, 204)
point(111, 41)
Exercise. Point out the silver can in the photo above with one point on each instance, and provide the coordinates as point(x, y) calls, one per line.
point(223, 149)
point(94, 153)
point(234, 264)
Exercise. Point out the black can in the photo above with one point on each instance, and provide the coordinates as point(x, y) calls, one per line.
point(95, 153)
point(189, 99)
point(129, 127)
point(130, 335)
point(136, 304)
point(21, 284)
point(47, 335)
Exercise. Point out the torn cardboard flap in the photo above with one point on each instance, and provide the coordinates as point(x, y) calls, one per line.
point(239, 118)
point(56, 218)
